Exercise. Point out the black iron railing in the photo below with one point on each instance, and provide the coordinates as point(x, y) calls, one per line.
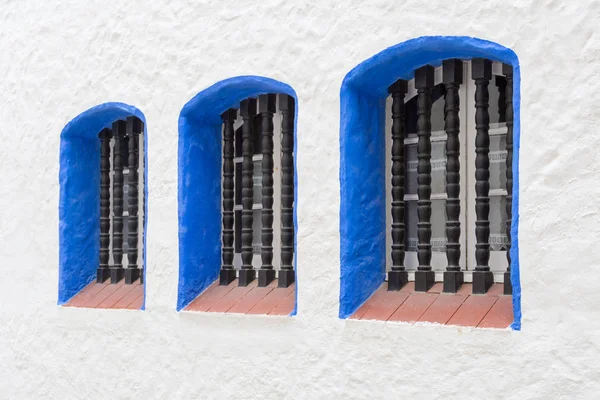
point(124, 138)
point(452, 79)
point(509, 116)
point(256, 137)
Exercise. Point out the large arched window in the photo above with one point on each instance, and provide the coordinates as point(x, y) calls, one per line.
point(102, 210)
point(236, 198)
point(426, 167)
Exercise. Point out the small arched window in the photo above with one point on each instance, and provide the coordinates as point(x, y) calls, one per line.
point(236, 194)
point(103, 209)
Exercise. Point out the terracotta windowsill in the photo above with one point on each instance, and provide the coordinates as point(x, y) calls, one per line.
point(492, 310)
point(234, 299)
point(104, 295)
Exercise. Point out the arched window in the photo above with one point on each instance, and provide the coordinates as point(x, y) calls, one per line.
point(102, 208)
point(435, 185)
point(236, 195)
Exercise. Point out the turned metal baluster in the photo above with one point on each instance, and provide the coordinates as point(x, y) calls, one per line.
point(501, 85)
point(398, 277)
point(248, 112)
point(483, 278)
point(103, 272)
point(134, 129)
point(287, 108)
point(424, 80)
point(453, 78)
point(228, 274)
point(116, 271)
point(508, 72)
point(266, 108)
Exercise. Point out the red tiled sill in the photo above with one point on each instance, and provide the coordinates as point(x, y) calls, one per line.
point(105, 295)
point(492, 310)
point(234, 299)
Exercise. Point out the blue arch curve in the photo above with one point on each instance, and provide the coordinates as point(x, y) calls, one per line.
point(200, 178)
point(362, 158)
point(79, 209)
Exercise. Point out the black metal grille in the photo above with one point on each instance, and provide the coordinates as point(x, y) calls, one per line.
point(123, 141)
point(412, 222)
point(248, 191)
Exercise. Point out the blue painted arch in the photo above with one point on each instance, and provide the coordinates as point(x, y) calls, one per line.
point(362, 158)
point(199, 181)
point(79, 207)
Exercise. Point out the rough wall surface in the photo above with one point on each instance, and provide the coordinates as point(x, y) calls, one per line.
point(60, 58)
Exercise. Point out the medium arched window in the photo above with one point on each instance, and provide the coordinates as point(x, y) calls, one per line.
point(237, 219)
point(103, 209)
point(427, 182)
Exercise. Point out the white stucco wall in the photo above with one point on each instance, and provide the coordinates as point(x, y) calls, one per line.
point(58, 58)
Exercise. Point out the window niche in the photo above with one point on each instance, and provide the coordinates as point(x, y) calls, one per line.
point(102, 208)
point(236, 198)
point(373, 247)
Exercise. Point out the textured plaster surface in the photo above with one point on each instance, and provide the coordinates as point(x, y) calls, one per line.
point(60, 58)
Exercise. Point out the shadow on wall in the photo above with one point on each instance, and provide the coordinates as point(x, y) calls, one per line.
point(199, 195)
point(79, 208)
point(362, 158)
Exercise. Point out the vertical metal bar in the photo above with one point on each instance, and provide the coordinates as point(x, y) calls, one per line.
point(501, 85)
point(483, 278)
point(398, 277)
point(266, 108)
point(228, 274)
point(287, 108)
point(508, 72)
point(134, 129)
point(103, 272)
point(424, 80)
point(248, 111)
point(453, 78)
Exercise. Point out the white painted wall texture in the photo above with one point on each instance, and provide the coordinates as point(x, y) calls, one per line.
point(58, 58)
